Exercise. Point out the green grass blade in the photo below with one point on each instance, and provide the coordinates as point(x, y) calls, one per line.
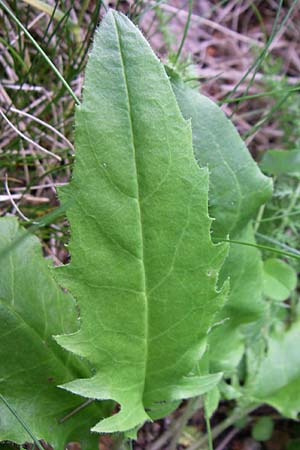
point(37, 46)
point(185, 31)
point(22, 423)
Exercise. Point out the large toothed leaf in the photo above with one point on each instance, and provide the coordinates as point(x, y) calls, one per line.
point(32, 309)
point(143, 268)
point(277, 379)
point(237, 188)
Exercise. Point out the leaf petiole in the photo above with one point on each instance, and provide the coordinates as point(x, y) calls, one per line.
point(295, 255)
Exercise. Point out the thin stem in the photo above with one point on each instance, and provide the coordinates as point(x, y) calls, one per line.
point(192, 405)
point(76, 410)
point(37, 46)
point(22, 423)
point(208, 429)
point(185, 32)
point(217, 430)
point(209, 435)
point(258, 95)
point(83, 8)
point(293, 201)
point(228, 438)
point(259, 218)
point(118, 442)
point(280, 244)
point(45, 220)
point(266, 117)
point(280, 216)
point(165, 437)
point(256, 64)
point(295, 253)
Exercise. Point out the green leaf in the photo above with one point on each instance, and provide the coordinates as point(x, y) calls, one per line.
point(209, 383)
point(245, 303)
point(211, 401)
point(229, 392)
point(277, 162)
point(161, 410)
point(143, 267)
point(280, 279)
point(263, 429)
point(237, 186)
point(32, 309)
point(277, 379)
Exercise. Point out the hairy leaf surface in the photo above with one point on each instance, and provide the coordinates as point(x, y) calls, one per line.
point(237, 190)
point(143, 268)
point(32, 309)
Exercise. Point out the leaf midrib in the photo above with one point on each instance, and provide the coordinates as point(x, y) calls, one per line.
point(131, 128)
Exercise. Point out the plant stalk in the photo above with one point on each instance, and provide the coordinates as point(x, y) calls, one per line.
point(217, 430)
point(118, 442)
point(192, 405)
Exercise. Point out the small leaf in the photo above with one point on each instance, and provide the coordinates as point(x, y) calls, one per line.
point(228, 391)
point(277, 162)
point(277, 379)
point(263, 429)
point(161, 410)
point(143, 268)
point(280, 279)
point(211, 400)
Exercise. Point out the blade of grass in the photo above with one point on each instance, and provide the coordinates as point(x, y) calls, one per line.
point(278, 243)
point(26, 138)
point(259, 60)
point(259, 95)
point(50, 10)
point(34, 62)
point(185, 32)
point(37, 46)
point(280, 216)
point(267, 116)
point(236, 415)
point(45, 220)
point(22, 423)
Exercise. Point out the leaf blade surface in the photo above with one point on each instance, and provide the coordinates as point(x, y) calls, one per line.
point(32, 309)
point(276, 381)
point(143, 267)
